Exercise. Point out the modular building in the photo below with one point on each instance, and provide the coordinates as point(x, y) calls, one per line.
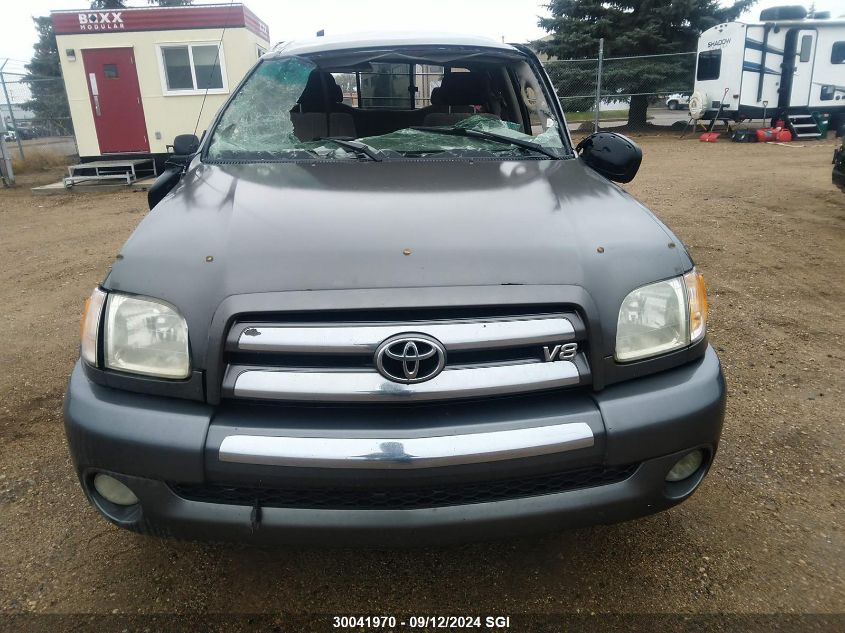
point(135, 78)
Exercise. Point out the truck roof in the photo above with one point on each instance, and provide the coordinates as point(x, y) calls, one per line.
point(390, 40)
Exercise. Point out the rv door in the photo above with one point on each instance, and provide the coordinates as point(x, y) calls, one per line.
point(802, 77)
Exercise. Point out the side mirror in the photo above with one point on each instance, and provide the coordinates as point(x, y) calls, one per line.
point(185, 144)
point(165, 182)
point(614, 156)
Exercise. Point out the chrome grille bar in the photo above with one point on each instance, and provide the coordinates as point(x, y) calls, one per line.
point(365, 338)
point(370, 386)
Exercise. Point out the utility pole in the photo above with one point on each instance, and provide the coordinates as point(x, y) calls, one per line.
point(598, 84)
point(9, 103)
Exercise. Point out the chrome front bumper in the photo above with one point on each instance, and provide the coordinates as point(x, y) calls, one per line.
point(397, 452)
point(156, 444)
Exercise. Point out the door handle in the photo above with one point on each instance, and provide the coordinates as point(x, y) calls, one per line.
point(95, 92)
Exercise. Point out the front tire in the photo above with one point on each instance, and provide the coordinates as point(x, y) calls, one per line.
point(673, 105)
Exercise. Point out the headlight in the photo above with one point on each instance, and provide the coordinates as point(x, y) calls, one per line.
point(145, 336)
point(662, 317)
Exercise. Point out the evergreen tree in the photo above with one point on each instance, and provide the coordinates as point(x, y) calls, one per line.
point(630, 27)
point(44, 78)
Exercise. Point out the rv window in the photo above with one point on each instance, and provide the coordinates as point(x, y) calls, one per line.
point(806, 48)
point(837, 55)
point(709, 64)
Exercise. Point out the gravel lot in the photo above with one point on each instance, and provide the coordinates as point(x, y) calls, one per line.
point(764, 534)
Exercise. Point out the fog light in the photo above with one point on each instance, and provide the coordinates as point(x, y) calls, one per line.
point(114, 491)
point(686, 466)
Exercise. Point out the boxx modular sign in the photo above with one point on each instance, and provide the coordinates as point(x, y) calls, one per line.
point(101, 21)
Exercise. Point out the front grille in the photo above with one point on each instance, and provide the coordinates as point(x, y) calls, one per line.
point(405, 498)
point(331, 357)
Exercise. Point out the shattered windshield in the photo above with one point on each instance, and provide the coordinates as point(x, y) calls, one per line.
point(289, 109)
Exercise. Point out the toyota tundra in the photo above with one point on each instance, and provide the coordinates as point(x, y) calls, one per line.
point(385, 299)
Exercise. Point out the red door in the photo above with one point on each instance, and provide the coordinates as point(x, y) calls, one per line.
point(116, 100)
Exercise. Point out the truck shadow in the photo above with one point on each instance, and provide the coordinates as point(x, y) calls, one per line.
point(561, 572)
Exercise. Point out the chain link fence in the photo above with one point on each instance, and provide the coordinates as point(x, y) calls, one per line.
point(33, 112)
point(635, 91)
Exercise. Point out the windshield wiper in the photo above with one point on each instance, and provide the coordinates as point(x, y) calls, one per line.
point(356, 146)
point(490, 136)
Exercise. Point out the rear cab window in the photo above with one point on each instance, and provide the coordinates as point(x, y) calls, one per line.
point(422, 104)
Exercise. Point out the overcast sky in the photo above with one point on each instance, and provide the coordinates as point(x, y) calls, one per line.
point(515, 20)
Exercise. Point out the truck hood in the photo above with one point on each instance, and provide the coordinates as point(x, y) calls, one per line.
point(236, 229)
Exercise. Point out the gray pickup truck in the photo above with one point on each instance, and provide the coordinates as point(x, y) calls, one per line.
point(386, 300)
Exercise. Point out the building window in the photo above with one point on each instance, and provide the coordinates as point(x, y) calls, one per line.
point(192, 68)
point(709, 65)
point(837, 55)
point(110, 71)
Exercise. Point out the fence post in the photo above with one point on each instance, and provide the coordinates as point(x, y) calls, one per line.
point(7, 175)
point(9, 103)
point(598, 85)
point(6, 172)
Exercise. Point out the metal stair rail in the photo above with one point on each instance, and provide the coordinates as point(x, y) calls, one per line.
point(803, 126)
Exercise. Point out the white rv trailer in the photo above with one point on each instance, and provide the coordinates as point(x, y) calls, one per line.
point(789, 69)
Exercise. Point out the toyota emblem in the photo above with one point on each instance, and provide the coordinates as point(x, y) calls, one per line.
point(410, 358)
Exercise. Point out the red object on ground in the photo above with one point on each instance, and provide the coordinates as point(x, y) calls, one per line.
point(709, 137)
point(769, 134)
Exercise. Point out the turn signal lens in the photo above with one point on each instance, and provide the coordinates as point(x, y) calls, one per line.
point(697, 301)
point(90, 326)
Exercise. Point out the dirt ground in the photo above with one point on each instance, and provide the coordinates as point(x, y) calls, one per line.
point(764, 534)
